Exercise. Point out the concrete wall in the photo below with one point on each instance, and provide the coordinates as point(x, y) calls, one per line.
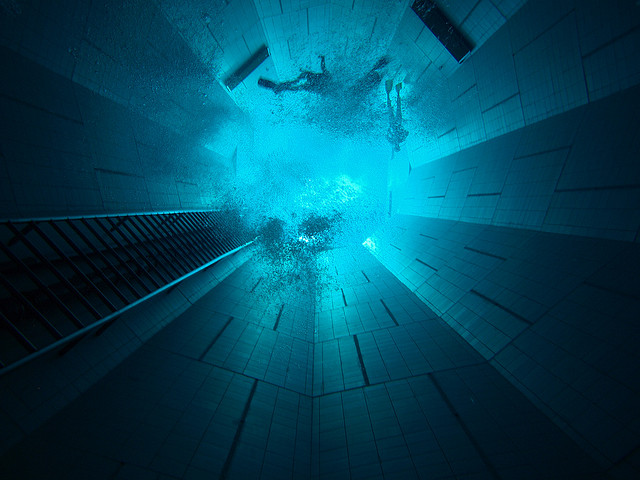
point(66, 150)
point(105, 108)
point(519, 225)
point(34, 392)
point(549, 57)
point(575, 173)
point(126, 51)
point(556, 314)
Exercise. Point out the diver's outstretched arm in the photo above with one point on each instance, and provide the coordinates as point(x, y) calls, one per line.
point(278, 87)
point(263, 82)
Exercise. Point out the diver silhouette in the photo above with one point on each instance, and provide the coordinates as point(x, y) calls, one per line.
point(309, 81)
point(396, 134)
point(373, 77)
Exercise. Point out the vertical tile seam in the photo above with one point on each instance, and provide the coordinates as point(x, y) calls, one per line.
point(389, 312)
point(215, 339)
point(483, 456)
point(275, 325)
point(234, 445)
point(363, 369)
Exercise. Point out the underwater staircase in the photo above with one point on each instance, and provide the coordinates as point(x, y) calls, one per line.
point(62, 279)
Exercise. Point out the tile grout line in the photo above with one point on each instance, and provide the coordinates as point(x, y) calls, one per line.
point(484, 253)
point(275, 326)
point(632, 186)
point(542, 152)
point(256, 285)
point(360, 359)
point(501, 102)
point(227, 463)
point(501, 307)
point(389, 312)
point(393, 380)
point(427, 236)
point(215, 339)
point(485, 459)
point(344, 299)
point(426, 264)
point(541, 34)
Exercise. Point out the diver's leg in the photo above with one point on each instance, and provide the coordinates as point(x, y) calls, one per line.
point(388, 87)
point(392, 119)
point(323, 67)
point(263, 82)
point(399, 105)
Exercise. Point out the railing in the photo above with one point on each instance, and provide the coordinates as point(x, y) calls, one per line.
point(63, 278)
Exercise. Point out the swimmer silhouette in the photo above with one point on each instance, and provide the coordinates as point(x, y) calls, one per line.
point(309, 81)
point(396, 134)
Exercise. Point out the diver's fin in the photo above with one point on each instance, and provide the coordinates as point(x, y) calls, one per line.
point(399, 87)
point(389, 85)
point(263, 82)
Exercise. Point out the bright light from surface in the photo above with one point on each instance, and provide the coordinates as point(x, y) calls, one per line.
point(300, 174)
point(369, 244)
point(313, 171)
point(313, 174)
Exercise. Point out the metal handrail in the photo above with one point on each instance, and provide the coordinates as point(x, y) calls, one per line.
point(103, 215)
point(58, 271)
point(79, 333)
